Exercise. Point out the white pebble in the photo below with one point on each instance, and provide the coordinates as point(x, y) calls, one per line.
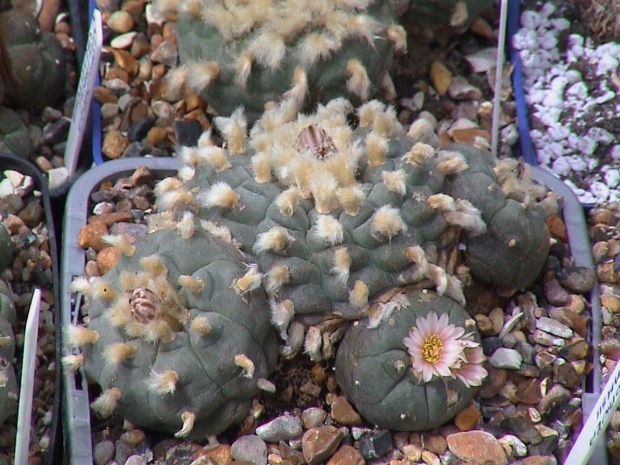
point(576, 163)
point(612, 177)
point(530, 19)
point(599, 190)
point(614, 153)
point(561, 167)
point(601, 135)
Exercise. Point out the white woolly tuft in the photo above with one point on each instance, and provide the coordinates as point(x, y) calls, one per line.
point(300, 85)
point(80, 285)
point(220, 195)
point(201, 325)
point(387, 222)
point(398, 35)
point(215, 156)
point(191, 283)
point(121, 242)
point(268, 48)
point(106, 403)
point(441, 202)
point(358, 83)
point(395, 181)
point(419, 154)
point(188, 155)
point(287, 201)
point(186, 226)
point(323, 189)
point(350, 198)
point(376, 148)
point(439, 277)
point(416, 254)
point(368, 111)
point(163, 383)
point(243, 68)
point(342, 264)
point(277, 276)
point(312, 343)
point(467, 217)
point(116, 353)
point(329, 230)
point(277, 239)
point(201, 74)
point(450, 162)
point(246, 365)
point(363, 25)
point(188, 419)
point(171, 199)
point(358, 295)
point(282, 314)
point(249, 282)
point(71, 363)
point(234, 129)
point(314, 47)
point(218, 231)
point(166, 185)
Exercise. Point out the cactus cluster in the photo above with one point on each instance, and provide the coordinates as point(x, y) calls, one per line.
point(172, 345)
point(8, 382)
point(260, 52)
point(305, 224)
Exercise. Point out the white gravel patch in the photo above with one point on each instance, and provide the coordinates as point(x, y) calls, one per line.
point(572, 88)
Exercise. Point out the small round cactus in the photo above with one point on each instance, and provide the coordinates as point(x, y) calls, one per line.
point(35, 61)
point(255, 53)
point(417, 369)
point(172, 345)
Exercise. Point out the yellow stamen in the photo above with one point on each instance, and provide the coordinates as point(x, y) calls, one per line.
point(432, 348)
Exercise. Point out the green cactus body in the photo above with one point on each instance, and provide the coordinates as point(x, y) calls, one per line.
point(438, 13)
point(34, 59)
point(173, 347)
point(253, 54)
point(14, 137)
point(397, 399)
point(332, 224)
point(8, 381)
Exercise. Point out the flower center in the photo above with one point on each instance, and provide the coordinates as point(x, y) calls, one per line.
point(431, 349)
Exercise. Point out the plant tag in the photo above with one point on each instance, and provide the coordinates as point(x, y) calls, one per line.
point(598, 420)
point(22, 441)
point(90, 69)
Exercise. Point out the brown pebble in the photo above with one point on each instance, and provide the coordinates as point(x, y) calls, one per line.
point(133, 437)
point(477, 448)
point(114, 144)
point(557, 228)
point(611, 302)
point(120, 22)
point(346, 455)
point(90, 236)
point(32, 214)
point(529, 392)
point(156, 135)
point(219, 455)
point(107, 258)
point(435, 443)
point(124, 59)
point(110, 218)
point(318, 444)
point(343, 412)
point(141, 175)
point(539, 460)
point(468, 418)
point(607, 273)
point(104, 95)
point(91, 269)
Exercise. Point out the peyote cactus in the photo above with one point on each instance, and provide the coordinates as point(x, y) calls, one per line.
point(172, 346)
point(256, 53)
point(14, 136)
point(8, 382)
point(33, 61)
point(333, 216)
point(401, 398)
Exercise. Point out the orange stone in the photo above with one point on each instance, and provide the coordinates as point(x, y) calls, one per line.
point(557, 228)
point(346, 455)
point(90, 236)
point(107, 258)
point(468, 418)
point(477, 448)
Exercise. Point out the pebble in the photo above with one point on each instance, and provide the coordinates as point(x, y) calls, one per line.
point(555, 293)
point(250, 449)
point(523, 428)
point(346, 455)
point(318, 444)
point(376, 444)
point(477, 448)
point(554, 327)
point(281, 428)
point(103, 452)
point(114, 143)
point(506, 358)
point(558, 394)
point(468, 418)
point(343, 412)
point(313, 417)
point(90, 236)
point(120, 22)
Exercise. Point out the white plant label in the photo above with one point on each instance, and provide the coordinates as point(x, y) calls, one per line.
point(90, 68)
point(22, 441)
point(597, 422)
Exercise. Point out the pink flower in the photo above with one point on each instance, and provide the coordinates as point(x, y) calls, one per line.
point(438, 348)
point(471, 371)
point(434, 346)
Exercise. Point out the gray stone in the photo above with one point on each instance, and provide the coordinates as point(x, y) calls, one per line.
point(283, 428)
point(506, 358)
point(376, 444)
point(103, 452)
point(554, 327)
point(546, 339)
point(250, 449)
